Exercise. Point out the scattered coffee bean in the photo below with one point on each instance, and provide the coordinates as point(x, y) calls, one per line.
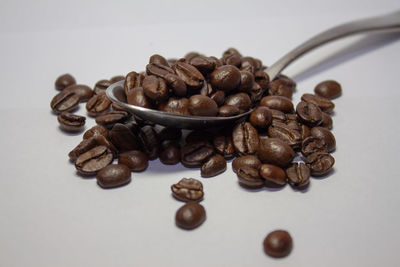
point(245, 138)
point(320, 163)
point(313, 144)
point(309, 113)
point(223, 145)
point(108, 119)
point(298, 175)
point(64, 81)
point(249, 177)
point(190, 216)
point(123, 138)
point(113, 175)
point(280, 103)
point(132, 80)
point(280, 88)
point(64, 101)
point(228, 111)
point(240, 100)
point(200, 105)
point(70, 122)
point(326, 121)
point(214, 166)
point(194, 154)
point(83, 91)
point(170, 153)
point(326, 135)
point(328, 89)
point(98, 104)
point(278, 244)
point(261, 117)
point(188, 189)
point(275, 151)
point(273, 174)
point(92, 161)
point(284, 132)
point(135, 160)
point(117, 78)
point(96, 130)
point(323, 103)
point(150, 142)
point(250, 161)
point(101, 86)
point(225, 78)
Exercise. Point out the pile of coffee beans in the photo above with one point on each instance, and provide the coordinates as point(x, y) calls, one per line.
point(278, 143)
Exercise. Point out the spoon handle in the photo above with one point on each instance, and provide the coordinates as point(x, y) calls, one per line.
point(386, 22)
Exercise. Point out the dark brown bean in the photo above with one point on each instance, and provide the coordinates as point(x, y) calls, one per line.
point(298, 175)
point(195, 154)
point(98, 104)
point(101, 86)
point(329, 89)
point(278, 244)
point(170, 133)
point(245, 138)
point(174, 105)
point(157, 59)
point(92, 161)
point(155, 88)
point(214, 166)
point(246, 81)
point(96, 130)
point(133, 80)
point(225, 78)
point(188, 189)
point(228, 111)
point(137, 97)
point(64, 81)
point(326, 135)
point(280, 88)
point(326, 121)
point(249, 177)
point(323, 103)
point(190, 216)
point(261, 117)
point(250, 161)
point(170, 153)
point(113, 175)
point(240, 100)
point(203, 64)
point(83, 91)
point(275, 151)
point(280, 103)
point(87, 144)
point(273, 174)
point(200, 105)
point(309, 113)
point(218, 97)
point(123, 138)
point(64, 101)
point(135, 160)
point(262, 79)
point(189, 74)
point(284, 132)
point(150, 142)
point(320, 163)
point(158, 69)
point(223, 145)
point(70, 122)
point(108, 119)
point(177, 85)
point(117, 78)
point(313, 144)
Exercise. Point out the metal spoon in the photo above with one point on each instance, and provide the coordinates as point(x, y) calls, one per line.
point(116, 91)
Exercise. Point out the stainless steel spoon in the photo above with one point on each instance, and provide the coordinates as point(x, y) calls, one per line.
point(116, 91)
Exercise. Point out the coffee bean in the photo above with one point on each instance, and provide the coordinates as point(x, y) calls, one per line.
point(323, 103)
point(98, 104)
point(96, 130)
point(278, 244)
point(137, 97)
point(262, 79)
point(157, 59)
point(200, 105)
point(92, 161)
point(191, 55)
point(240, 100)
point(170, 153)
point(117, 78)
point(313, 144)
point(223, 145)
point(83, 91)
point(150, 142)
point(320, 163)
point(64, 101)
point(280, 103)
point(108, 119)
point(123, 138)
point(326, 135)
point(280, 88)
point(328, 89)
point(113, 175)
point(196, 153)
point(276, 152)
point(203, 64)
point(273, 174)
point(214, 166)
point(231, 51)
point(261, 117)
point(205, 90)
point(249, 177)
point(218, 97)
point(89, 143)
point(247, 81)
point(133, 80)
point(188, 189)
point(278, 115)
point(135, 160)
point(158, 69)
point(298, 175)
point(64, 81)
point(245, 138)
point(288, 81)
point(233, 59)
point(248, 161)
point(177, 85)
point(101, 86)
point(228, 111)
point(170, 133)
point(309, 113)
point(285, 133)
point(155, 88)
point(225, 78)
point(326, 121)
point(189, 74)
point(179, 106)
point(70, 122)
point(190, 216)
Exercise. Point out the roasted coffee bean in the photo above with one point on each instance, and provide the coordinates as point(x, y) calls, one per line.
point(70, 122)
point(298, 175)
point(240, 100)
point(228, 111)
point(132, 80)
point(137, 97)
point(232, 59)
point(113, 175)
point(251, 63)
point(188, 189)
point(328, 89)
point(320, 163)
point(273, 174)
point(214, 166)
point(245, 138)
point(217, 62)
point(231, 51)
point(304, 131)
point(278, 244)
point(323, 103)
point(177, 85)
point(309, 113)
point(248, 161)
point(157, 59)
point(196, 153)
point(276, 152)
point(190, 216)
point(313, 144)
point(64, 101)
point(96, 130)
point(256, 92)
point(135, 160)
point(98, 104)
point(101, 86)
point(89, 143)
point(262, 79)
point(64, 81)
point(223, 145)
point(158, 69)
point(326, 121)
point(83, 91)
point(123, 138)
point(285, 133)
point(326, 135)
point(261, 117)
point(170, 133)
point(218, 97)
point(174, 105)
point(288, 81)
point(117, 78)
point(108, 119)
point(92, 161)
point(278, 115)
point(150, 142)
point(280, 88)
point(189, 74)
point(203, 64)
point(246, 81)
point(199, 135)
point(170, 153)
point(225, 78)
point(200, 105)
point(206, 89)
point(191, 55)
point(249, 177)
point(155, 88)
point(280, 103)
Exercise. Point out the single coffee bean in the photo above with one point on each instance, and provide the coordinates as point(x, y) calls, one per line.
point(200, 105)
point(251, 62)
point(64, 81)
point(313, 144)
point(188, 189)
point(261, 117)
point(170, 153)
point(133, 80)
point(150, 142)
point(288, 81)
point(240, 100)
point(231, 51)
point(223, 145)
point(89, 143)
point(196, 153)
point(83, 91)
point(248, 161)
point(320, 163)
point(92, 161)
point(309, 113)
point(276, 152)
point(135, 160)
point(101, 86)
point(170, 133)
point(155, 88)
point(137, 97)
point(108, 119)
point(262, 79)
point(256, 92)
point(113, 175)
point(98, 104)
point(157, 59)
point(64, 101)
point(232, 59)
point(190, 216)
point(284, 132)
point(158, 69)
point(177, 85)
point(70, 122)
point(117, 78)
point(214, 166)
point(102, 141)
point(249, 177)
point(228, 111)
point(245, 138)
point(203, 64)
point(326, 135)
point(123, 138)
point(273, 174)
point(298, 175)
point(217, 62)
point(326, 121)
point(246, 81)
point(280, 103)
point(218, 97)
point(278, 244)
point(225, 78)
point(280, 88)
point(96, 130)
point(189, 74)
point(323, 103)
point(328, 89)
point(179, 106)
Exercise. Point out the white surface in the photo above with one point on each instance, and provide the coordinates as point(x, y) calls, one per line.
point(49, 216)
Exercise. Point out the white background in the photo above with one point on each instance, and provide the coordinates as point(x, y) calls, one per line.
point(49, 216)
